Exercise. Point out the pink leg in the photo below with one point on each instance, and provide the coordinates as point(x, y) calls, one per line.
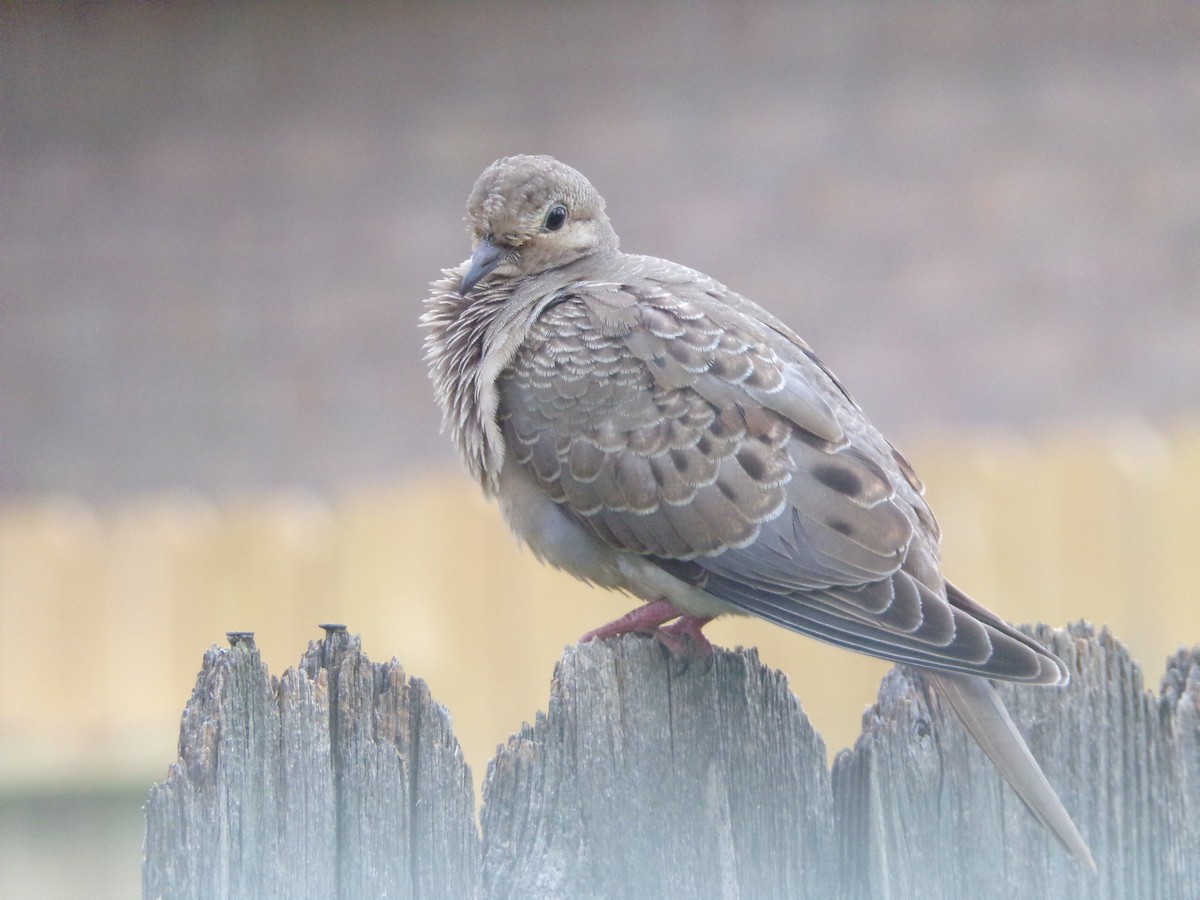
point(643, 620)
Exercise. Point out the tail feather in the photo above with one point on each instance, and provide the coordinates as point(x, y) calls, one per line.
point(983, 713)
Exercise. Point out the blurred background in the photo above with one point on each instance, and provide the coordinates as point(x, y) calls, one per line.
point(218, 222)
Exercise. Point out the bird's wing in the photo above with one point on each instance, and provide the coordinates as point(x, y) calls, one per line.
point(679, 422)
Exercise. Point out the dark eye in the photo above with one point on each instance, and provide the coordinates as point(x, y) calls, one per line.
point(556, 217)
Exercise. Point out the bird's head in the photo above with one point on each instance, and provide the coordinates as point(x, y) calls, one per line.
point(531, 214)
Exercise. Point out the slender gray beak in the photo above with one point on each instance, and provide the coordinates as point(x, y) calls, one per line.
point(485, 258)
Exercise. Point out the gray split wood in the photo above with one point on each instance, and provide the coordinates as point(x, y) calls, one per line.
point(343, 779)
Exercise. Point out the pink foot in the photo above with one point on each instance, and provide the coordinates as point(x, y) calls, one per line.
point(685, 638)
point(643, 620)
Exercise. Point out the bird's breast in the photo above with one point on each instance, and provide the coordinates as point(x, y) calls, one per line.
point(551, 533)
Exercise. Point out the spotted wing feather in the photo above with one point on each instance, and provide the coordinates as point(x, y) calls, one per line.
point(675, 426)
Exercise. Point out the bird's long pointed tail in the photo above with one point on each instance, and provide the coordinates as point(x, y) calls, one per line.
point(983, 713)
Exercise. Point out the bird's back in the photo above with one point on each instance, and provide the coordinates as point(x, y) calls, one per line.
point(674, 424)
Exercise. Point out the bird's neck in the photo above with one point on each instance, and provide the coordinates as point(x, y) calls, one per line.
point(470, 342)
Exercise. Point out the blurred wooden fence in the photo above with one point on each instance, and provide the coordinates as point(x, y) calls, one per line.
point(342, 778)
point(1096, 525)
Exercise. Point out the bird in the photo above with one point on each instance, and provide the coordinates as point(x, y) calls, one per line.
point(647, 429)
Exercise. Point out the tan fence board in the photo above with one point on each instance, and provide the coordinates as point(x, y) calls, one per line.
point(1096, 523)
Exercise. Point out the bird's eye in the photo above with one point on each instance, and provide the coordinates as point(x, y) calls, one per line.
point(556, 217)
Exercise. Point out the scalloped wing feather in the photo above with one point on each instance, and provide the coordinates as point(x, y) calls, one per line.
point(688, 426)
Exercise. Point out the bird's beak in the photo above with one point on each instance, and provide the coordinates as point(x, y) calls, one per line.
point(485, 258)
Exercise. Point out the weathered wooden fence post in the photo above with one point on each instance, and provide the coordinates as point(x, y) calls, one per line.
point(943, 824)
point(342, 779)
point(644, 781)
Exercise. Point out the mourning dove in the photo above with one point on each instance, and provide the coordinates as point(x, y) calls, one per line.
point(645, 428)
